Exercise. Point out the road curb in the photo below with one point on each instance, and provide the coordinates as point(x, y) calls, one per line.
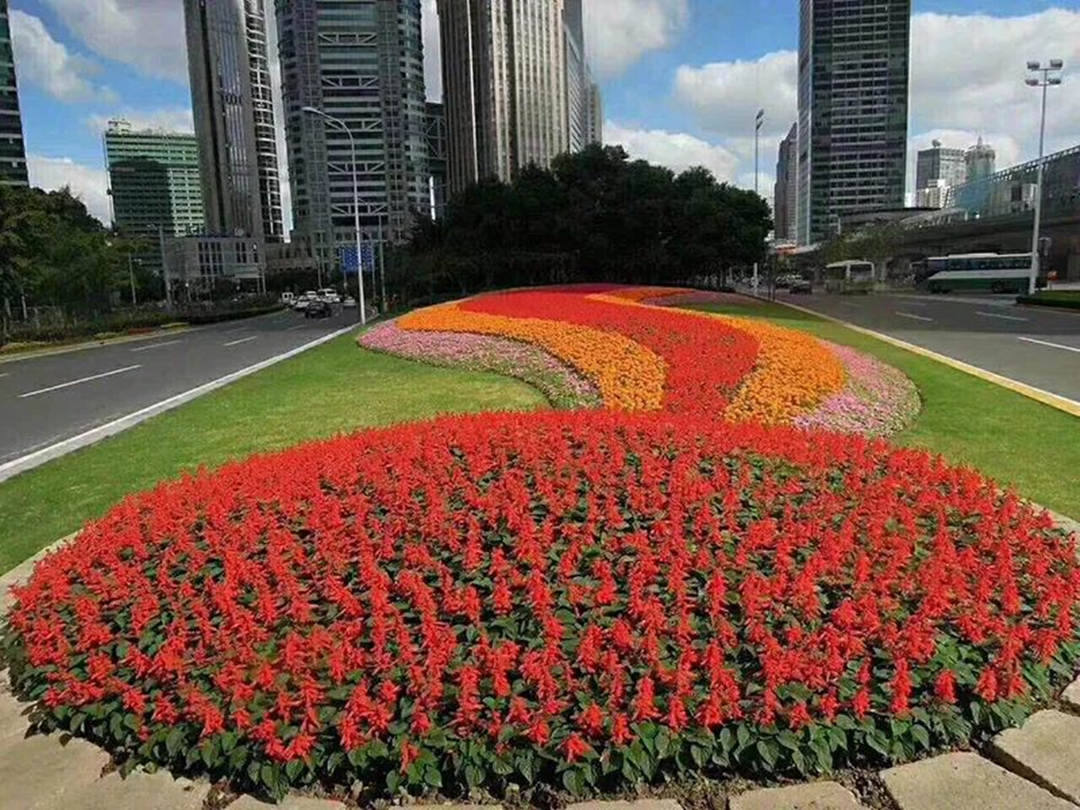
point(1061, 403)
point(61, 448)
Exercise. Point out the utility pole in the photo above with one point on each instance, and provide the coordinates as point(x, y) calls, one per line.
point(1055, 66)
point(759, 119)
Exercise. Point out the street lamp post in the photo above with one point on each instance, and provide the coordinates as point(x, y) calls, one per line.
point(356, 209)
point(759, 119)
point(1044, 81)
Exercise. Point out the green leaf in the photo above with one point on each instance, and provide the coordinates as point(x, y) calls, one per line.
point(573, 782)
point(699, 755)
point(293, 769)
point(173, 741)
point(800, 761)
point(432, 776)
point(727, 740)
point(742, 734)
point(921, 736)
point(768, 751)
point(269, 776)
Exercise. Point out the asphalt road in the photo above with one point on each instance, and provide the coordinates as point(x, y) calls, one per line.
point(1036, 346)
point(47, 399)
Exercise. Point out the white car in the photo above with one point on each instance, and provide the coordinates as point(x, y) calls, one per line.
point(329, 295)
point(349, 302)
point(304, 300)
point(288, 298)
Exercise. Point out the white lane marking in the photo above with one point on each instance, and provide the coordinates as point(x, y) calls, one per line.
point(4, 374)
point(79, 381)
point(1051, 345)
point(157, 345)
point(913, 316)
point(1002, 317)
point(86, 438)
point(294, 328)
point(241, 340)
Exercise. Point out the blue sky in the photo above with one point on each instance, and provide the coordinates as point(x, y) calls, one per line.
point(681, 78)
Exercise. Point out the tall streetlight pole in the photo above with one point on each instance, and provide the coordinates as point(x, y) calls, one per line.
point(759, 119)
point(1044, 81)
point(337, 122)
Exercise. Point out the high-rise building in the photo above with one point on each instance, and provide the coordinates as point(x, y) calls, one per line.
point(361, 62)
point(785, 200)
point(576, 76)
point(234, 117)
point(594, 122)
point(435, 136)
point(12, 150)
point(515, 85)
point(939, 163)
point(853, 110)
point(154, 184)
point(980, 161)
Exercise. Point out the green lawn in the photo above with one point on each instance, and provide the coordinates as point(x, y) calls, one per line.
point(1015, 440)
point(331, 389)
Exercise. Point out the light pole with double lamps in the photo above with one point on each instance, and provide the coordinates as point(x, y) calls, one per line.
point(1044, 81)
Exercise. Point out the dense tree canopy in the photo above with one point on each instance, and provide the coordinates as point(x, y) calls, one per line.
point(53, 252)
point(594, 216)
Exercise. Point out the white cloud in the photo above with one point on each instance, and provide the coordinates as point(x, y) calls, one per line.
point(48, 64)
point(86, 182)
point(169, 119)
point(967, 79)
point(619, 32)
point(676, 150)
point(725, 96)
point(146, 34)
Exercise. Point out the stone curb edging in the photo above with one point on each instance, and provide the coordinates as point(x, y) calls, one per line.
point(1031, 392)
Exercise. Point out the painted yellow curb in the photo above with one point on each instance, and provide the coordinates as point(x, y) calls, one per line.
point(1069, 406)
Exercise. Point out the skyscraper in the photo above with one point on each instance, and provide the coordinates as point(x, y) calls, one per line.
point(594, 127)
point(979, 161)
point(785, 199)
point(940, 163)
point(576, 76)
point(853, 110)
point(154, 184)
point(515, 85)
point(234, 117)
point(12, 150)
point(362, 62)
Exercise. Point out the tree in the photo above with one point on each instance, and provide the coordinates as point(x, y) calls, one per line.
point(593, 216)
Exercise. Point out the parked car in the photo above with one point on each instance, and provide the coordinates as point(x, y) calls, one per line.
point(288, 298)
point(349, 302)
point(330, 295)
point(318, 309)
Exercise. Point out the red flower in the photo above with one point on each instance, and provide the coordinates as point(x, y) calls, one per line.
point(945, 687)
point(575, 748)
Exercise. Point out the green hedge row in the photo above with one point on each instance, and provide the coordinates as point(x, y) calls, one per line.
point(131, 323)
point(1066, 299)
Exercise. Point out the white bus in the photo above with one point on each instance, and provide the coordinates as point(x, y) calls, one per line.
point(851, 276)
point(985, 272)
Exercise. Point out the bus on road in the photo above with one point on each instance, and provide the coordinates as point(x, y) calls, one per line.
point(850, 276)
point(978, 272)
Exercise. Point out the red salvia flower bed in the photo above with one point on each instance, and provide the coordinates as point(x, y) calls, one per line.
point(593, 598)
